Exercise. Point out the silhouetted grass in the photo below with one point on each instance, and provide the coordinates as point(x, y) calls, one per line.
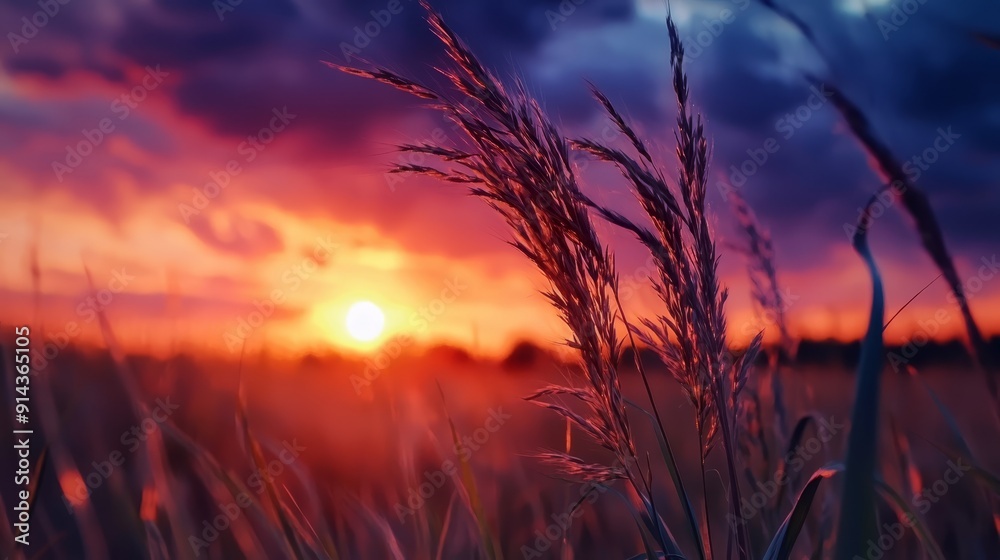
point(518, 162)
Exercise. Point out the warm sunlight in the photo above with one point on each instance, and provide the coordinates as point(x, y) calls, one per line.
point(365, 321)
point(385, 288)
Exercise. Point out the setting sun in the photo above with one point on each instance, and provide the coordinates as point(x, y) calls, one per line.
point(365, 321)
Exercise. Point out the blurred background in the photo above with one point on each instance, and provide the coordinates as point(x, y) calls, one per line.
point(193, 154)
point(193, 172)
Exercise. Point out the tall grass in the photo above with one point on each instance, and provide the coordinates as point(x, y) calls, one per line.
point(517, 161)
point(690, 336)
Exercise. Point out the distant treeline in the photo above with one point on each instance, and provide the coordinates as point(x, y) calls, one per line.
point(835, 353)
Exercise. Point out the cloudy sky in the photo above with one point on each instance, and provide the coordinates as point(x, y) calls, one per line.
point(203, 164)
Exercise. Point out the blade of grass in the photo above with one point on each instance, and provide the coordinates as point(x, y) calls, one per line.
point(382, 526)
point(857, 508)
point(945, 412)
point(156, 545)
point(793, 443)
point(253, 448)
point(445, 526)
point(67, 473)
point(223, 488)
point(914, 201)
point(909, 301)
point(988, 479)
point(784, 539)
point(985, 477)
point(36, 478)
point(904, 511)
point(918, 205)
point(156, 471)
point(908, 471)
point(471, 490)
point(668, 458)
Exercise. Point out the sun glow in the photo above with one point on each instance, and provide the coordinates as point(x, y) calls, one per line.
point(364, 321)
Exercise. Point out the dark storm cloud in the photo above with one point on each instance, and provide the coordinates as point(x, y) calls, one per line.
point(928, 76)
point(235, 61)
point(231, 68)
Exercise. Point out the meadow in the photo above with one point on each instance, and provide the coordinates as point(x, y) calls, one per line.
point(643, 437)
point(376, 475)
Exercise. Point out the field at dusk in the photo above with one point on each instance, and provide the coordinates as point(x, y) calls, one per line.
point(430, 280)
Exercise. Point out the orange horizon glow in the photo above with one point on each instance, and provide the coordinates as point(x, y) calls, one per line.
point(295, 301)
point(299, 257)
point(413, 322)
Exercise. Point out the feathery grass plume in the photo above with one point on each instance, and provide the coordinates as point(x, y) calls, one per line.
point(518, 162)
point(690, 337)
point(769, 302)
point(765, 289)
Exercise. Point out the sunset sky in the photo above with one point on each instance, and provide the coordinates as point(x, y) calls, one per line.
point(118, 119)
